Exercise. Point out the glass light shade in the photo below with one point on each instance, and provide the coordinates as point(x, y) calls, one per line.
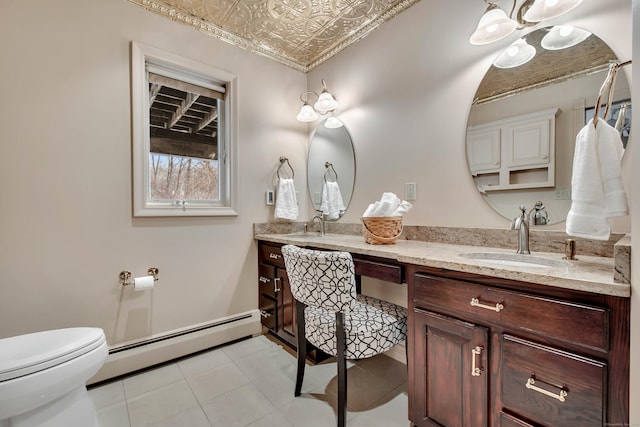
point(548, 9)
point(325, 103)
point(520, 52)
point(307, 114)
point(493, 26)
point(333, 123)
point(563, 36)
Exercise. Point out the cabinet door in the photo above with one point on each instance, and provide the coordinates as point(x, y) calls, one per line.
point(528, 144)
point(288, 304)
point(483, 150)
point(450, 372)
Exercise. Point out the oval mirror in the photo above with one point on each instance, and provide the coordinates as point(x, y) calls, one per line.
point(524, 120)
point(331, 170)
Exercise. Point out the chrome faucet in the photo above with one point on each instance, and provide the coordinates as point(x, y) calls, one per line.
point(521, 223)
point(321, 223)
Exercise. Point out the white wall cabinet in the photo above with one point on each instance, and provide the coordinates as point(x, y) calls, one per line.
point(514, 153)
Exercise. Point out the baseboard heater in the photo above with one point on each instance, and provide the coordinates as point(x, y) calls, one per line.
point(135, 355)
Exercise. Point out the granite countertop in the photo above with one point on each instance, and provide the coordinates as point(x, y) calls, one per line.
point(588, 273)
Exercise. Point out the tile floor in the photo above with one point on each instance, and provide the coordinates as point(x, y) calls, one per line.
point(251, 383)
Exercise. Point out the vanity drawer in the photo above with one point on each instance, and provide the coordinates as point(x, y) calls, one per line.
point(507, 420)
point(551, 386)
point(380, 270)
point(271, 255)
point(579, 324)
point(269, 312)
point(269, 284)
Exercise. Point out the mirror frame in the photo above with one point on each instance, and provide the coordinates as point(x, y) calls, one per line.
point(185, 69)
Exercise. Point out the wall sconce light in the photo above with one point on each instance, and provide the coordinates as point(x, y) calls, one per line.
point(496, 25)
point(520, 52)
point(325, 103)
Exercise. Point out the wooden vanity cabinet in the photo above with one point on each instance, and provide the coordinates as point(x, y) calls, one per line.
point(275, 298)
point(493, 352)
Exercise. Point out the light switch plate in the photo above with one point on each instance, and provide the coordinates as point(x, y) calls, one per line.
point(270, 199)
point(410, 191)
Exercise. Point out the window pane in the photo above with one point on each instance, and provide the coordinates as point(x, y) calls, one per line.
point(184, 140)
point(183, 178)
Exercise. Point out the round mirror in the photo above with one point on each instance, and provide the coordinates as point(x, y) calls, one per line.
point(331, 170)
point(524, 120)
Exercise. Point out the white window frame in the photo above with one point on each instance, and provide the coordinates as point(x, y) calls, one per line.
point(191, 71)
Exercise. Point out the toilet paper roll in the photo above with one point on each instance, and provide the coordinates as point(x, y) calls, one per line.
point(143, 283)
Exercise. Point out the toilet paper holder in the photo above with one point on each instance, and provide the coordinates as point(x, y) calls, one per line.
point(125, 276)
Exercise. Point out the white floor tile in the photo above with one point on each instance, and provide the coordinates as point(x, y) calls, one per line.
point(150, 380)
point(193, 417)
point(266, 361)
point(203, 362)
point(251, 383)
point(160, 404)
point(238, 407)
point(246, 347)
point(115, 415)
point(107, 394)
point(277, 386)
point(274, 419)
point(217, 381)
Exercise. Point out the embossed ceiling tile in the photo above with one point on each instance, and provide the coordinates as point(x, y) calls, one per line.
point(297, 33)
point(217, 11)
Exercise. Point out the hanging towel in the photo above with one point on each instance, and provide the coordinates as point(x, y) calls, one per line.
point(332, 204)
point(286, 203)
point(596, 185)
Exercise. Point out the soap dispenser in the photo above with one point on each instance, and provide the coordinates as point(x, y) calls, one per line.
point(538, 214)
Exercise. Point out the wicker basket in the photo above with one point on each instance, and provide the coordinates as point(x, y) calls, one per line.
point(383, 230)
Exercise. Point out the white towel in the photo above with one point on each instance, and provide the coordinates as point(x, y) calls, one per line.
point(596, 185)
point(389, 202)
point(286, 203)
point(332, 204)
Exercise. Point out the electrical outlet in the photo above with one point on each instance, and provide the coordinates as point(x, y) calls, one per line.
point(410, 191)
point(562, 194)
point(317, 198)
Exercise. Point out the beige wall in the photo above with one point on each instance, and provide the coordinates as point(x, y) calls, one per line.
point(65, 164)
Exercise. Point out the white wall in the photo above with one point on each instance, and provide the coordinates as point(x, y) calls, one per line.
point(65, 165)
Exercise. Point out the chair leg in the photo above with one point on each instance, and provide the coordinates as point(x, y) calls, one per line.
point(342, 370)
point(302, 347)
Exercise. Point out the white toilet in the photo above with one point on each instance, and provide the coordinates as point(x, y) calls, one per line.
point(43, 376)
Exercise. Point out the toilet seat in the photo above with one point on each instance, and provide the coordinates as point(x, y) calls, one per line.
point(26, 354)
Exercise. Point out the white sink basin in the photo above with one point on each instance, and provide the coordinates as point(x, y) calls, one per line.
point(513, 260)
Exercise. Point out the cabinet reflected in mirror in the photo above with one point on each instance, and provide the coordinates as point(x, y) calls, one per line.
point(518, 161)
point(331, 168)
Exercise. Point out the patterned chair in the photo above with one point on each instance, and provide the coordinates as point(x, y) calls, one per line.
point(331, 316)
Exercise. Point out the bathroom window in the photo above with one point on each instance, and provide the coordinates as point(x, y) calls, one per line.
point(183, 136)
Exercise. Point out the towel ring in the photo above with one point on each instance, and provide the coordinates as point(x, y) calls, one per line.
point(330, 168)
point(282, 162)
point(609, 81)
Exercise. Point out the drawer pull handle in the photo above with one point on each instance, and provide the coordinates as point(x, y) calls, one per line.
point(275, 284)
point(275, 256)
point(475, 371)
point(475, 302)
point(560, 396)
point(264, 279)
point(265, 314)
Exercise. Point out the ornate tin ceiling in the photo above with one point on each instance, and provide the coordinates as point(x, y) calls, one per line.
point(298, 33)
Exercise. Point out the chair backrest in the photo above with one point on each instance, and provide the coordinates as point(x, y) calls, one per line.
point(321, 279)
